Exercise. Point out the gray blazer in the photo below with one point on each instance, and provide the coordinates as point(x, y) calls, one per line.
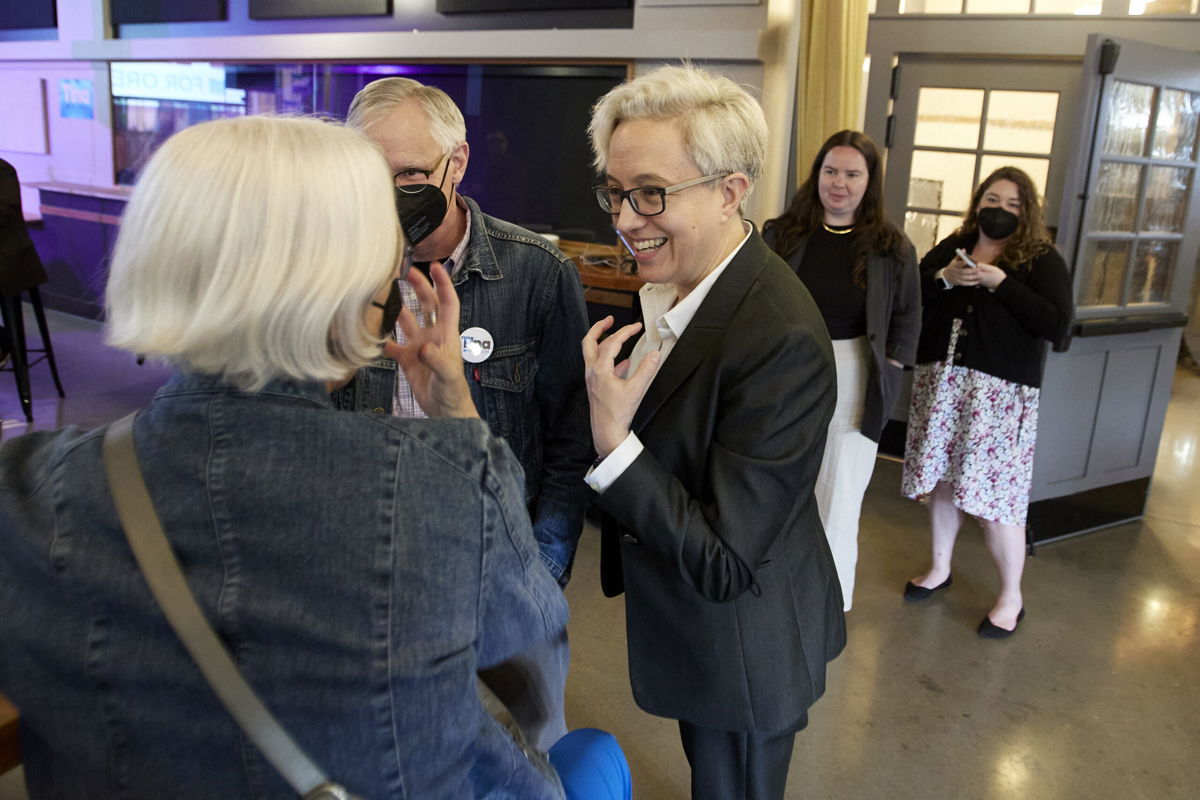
point(893, 329)
point(732, 603)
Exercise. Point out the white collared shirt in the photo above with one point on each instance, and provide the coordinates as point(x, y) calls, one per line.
point(403, 402)
point(670, 321)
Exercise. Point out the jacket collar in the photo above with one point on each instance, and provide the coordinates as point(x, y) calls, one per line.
point(202, 383)
point(479, 257)
point(706, 326)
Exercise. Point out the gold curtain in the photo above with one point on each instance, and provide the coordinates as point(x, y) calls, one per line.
point(829, 93)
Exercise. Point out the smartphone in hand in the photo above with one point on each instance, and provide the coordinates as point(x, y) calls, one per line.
point(970, 262)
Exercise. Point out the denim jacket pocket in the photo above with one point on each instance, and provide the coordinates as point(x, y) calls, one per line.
point(506, 383)
point(511, 369)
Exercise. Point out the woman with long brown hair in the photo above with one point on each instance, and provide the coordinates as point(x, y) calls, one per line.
point(995, 291)
point(862, 272)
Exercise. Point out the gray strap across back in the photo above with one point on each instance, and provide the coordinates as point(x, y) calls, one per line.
point(169, 587)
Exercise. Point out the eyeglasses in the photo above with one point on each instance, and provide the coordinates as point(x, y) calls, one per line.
point(647, 201)
point(411, 180)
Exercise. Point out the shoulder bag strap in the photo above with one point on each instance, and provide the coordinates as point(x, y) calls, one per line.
point(162, 572)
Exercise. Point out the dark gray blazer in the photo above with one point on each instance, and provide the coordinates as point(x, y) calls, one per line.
point(893, 329)
point(732, 603)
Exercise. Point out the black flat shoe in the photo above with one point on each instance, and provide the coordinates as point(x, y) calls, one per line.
point(990, 630)
point(916, 593)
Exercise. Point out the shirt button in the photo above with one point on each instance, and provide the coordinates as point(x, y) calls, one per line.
point(962, 333)
point(958, 356)
point(629, 538)
point(970, 309)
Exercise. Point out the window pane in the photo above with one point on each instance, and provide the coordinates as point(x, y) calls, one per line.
point(930, 6)
point(1078, 7)
point(1021, 122)
point(1166, 198)
point(948, 117)
point(926, 230)
point(941, 180)
point(1104, 273)
point(1128, 119)
point(1036, 168)
point(1175, 129)
point(997, 6)
point(1149, 7)
point(1115, 205)
point(1152, 270)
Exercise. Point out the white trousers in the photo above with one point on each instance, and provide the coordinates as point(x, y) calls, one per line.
point(848, 463)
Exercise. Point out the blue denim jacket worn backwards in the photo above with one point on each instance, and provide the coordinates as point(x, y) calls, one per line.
point(521, 289)
point(359, 568)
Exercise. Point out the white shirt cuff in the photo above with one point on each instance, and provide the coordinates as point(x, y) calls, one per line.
point(601, 476)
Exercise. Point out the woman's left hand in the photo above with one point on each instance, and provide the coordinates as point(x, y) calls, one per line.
point(990, 276)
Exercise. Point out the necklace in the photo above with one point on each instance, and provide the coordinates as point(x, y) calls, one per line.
point(838, 231)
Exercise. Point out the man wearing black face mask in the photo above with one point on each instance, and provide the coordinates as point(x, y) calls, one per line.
point(522, 319)
point(522, 309)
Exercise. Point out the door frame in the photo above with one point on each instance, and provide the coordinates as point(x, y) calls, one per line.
point(968, 72)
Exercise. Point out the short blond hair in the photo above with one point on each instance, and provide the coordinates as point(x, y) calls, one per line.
point(724, 129)
point(379, 98)
point(251, 249)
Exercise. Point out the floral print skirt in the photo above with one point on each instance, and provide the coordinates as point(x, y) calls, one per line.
point(976, 432)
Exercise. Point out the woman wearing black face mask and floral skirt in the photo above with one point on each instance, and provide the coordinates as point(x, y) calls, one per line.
point(973, 419)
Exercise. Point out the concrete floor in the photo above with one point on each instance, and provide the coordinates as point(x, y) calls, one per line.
point(1096, 696)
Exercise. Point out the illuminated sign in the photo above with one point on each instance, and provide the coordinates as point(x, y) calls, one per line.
point(197, 82)
point(75, 99)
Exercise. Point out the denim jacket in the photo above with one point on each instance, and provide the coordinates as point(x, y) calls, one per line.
point(518, 287)
point(359, 568)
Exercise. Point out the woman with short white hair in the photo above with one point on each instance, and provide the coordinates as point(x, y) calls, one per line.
point(255, 256)
point(710, 438)
point(252, 250)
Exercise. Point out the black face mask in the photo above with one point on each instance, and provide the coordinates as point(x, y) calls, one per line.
point(996, 222)
point(422, 211)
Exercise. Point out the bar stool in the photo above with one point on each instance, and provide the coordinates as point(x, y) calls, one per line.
point(14, 323)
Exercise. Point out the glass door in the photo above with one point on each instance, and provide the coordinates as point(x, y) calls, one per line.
point(1135, 242)
point(956, 119)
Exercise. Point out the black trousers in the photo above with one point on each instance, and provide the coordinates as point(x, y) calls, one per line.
point(737, 765)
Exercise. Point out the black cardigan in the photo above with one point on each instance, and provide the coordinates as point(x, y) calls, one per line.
point(1003, 332)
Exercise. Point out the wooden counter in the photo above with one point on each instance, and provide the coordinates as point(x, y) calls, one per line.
point(605, 273)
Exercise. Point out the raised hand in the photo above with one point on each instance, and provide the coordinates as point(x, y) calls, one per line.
point(432, 357)
point(613, 398)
